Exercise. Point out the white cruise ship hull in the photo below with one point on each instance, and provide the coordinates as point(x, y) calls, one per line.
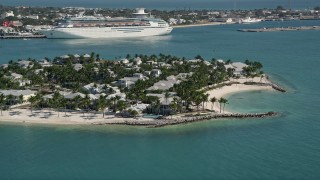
point(105, 32)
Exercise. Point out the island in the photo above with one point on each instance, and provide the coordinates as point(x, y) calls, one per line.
point(141, 90)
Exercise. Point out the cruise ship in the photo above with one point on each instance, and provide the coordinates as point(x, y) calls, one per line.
point(105, 27)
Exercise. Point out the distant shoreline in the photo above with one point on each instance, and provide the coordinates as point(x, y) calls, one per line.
point(201, 24)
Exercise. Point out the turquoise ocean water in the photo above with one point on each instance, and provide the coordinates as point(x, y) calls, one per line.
point(282, 147)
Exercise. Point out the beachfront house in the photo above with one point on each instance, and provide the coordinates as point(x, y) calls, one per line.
point(44, 63)
point(165, 108)
point(237, 67)
point(127, 82)
point(26, 94)
point(137, 61)
point(25, 64)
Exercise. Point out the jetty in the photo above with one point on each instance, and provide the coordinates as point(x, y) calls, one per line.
point(22, 36)
point(281, 29)
point(165, 121)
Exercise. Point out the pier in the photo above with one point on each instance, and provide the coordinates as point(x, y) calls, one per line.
point(22, 36)
point(281, 29)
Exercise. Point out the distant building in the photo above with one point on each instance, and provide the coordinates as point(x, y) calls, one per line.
point(33, 17)
point(7, 14)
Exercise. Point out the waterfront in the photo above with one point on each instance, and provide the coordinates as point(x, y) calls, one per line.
point(279, 147)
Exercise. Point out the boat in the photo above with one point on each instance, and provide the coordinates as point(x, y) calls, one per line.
point(249, 20)
point(81, 26)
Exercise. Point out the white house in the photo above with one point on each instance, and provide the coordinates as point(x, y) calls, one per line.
point(156, 72)
point(17, 93)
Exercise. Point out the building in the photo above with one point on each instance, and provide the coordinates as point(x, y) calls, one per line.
point(130, 81)
point(237, 66)
point(156, 72)
point(15, 77)
point(26, 94)
point(7, 14)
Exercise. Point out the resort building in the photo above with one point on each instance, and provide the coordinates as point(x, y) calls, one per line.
point(237, 66)
point(129, 81)
point(26, 94)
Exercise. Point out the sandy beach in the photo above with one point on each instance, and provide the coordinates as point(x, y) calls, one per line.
point(235, 88)
point(46, 116)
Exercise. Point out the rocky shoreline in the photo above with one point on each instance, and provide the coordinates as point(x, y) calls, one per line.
point(194, 118)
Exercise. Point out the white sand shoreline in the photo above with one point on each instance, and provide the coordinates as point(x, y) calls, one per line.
point(46, 116)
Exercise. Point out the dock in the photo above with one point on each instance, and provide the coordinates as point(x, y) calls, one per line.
point(281, 29)
point(22, 36)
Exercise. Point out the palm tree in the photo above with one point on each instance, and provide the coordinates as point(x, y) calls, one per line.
point(103, 104)
point(166, 96)
point(121, 105)
point(1, 102)
point(76, 101)
point(32, 100)
point(225, 101)
point(21, 99)
point(222, 101)
point(213, 100)
point(56, 101)
point(10, 99)
point(205, 98)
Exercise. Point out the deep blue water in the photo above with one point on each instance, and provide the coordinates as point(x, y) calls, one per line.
point(282, 147)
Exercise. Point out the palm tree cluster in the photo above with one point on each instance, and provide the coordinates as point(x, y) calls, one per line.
point(62, 75)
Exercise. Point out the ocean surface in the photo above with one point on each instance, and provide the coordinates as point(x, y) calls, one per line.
point(168, 4)
point(282, 147)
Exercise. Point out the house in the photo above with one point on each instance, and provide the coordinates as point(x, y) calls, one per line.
point(77, 66)
point(156, 72)
point(4, 66)
point(25, 64)
point(100, 88)
point(86, 56)
point(137, 61)
point(15, 77)
point(44, 63)
point(237, 66)
point(121, 95)
point(164, 102)
point(129, 81)
point(26, 94)
point(164, 84)
point(124, 61)
point(169, 82)
point(94, 88)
